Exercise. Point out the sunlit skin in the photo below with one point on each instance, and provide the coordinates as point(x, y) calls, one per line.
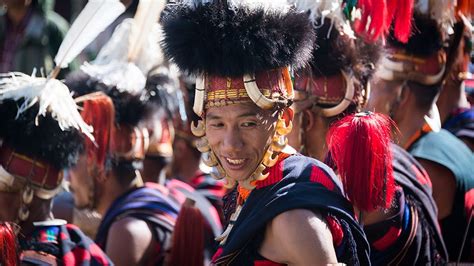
point(295, 138)
point(239, 134)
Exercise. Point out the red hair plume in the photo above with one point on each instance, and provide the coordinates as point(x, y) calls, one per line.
point(8, 245)
point(378, 16)
point(98, 111)
point(359, 147)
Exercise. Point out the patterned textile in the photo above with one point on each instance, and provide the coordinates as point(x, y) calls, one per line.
point(461, 123)
point(63, 244)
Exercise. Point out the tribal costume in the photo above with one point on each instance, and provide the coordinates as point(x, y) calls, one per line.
point(334, 87)
point(241, 54)
point(446, 150)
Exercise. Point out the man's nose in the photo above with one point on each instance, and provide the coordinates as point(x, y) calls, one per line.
point(233, 140)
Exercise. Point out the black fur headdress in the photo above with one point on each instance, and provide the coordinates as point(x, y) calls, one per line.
point(334, 52)
point(232, 40)
point(129, 108)
point(426, 37)
point(44, 141)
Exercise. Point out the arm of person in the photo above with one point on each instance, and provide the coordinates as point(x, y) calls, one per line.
point(298, 237)
point(128, 241)
point(444, 186)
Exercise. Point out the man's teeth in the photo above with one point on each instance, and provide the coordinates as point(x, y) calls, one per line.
point(235, 161)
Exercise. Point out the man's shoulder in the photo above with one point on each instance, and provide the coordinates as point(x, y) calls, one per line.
point(128, 240)
point(445, 149)
point(129, 228)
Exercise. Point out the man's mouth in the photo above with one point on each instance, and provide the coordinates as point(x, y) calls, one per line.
point(235, 161)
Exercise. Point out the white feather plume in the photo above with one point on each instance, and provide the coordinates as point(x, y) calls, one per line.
point(93, 19)
point(145, 20)
point(112, 66)
point(51, 95)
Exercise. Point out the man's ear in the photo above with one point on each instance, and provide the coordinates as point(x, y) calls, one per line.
point(405, 95)
point(308, 120)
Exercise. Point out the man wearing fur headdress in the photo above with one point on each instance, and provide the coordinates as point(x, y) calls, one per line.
point(289, 209)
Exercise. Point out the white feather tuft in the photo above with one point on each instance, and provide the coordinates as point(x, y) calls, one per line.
point(51, 95)
point(125, 76)
point(321, 9)
point(93, 19)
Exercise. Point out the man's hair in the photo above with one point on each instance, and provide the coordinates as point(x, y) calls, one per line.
point(43, 140)
point(334, 52)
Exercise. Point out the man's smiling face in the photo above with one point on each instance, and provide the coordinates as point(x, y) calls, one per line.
point(239, 134)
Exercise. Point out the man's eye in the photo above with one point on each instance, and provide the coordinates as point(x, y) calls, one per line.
point(216, 125)
point(249, 124)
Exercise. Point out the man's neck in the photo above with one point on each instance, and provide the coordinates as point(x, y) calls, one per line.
point(16, 14)
point(111, 191)
point(409, 126)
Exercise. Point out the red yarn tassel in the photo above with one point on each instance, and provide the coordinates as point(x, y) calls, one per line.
point(402, 19)
point(359, 146)
point(374, 27)
point(98, 111)
point(8, 245)
point(188, 237)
